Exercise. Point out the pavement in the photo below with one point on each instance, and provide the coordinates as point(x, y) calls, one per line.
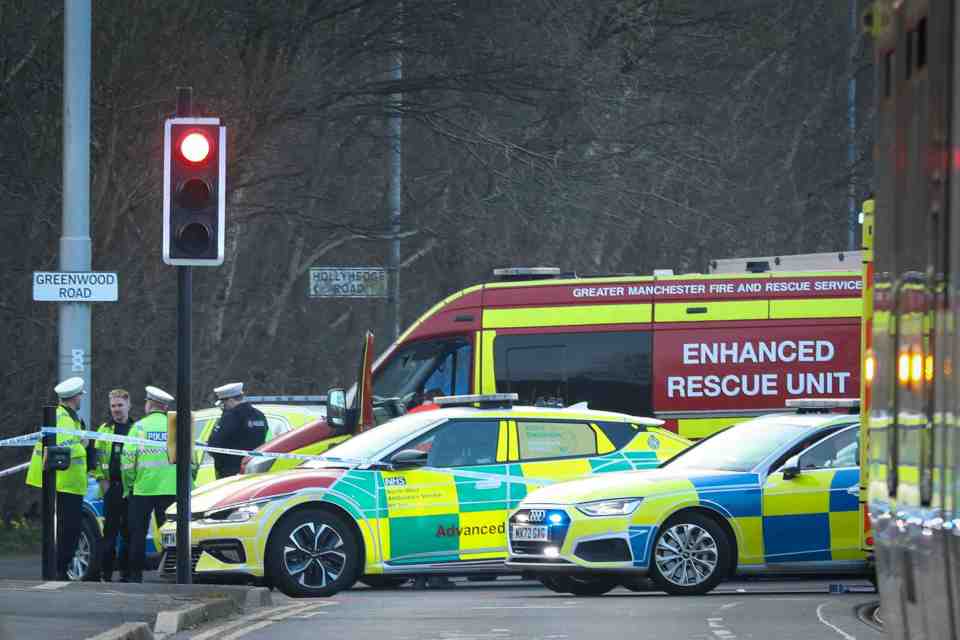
point(518, 610)
point(30, 607)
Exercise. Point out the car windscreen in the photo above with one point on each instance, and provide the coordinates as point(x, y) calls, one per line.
point(370, 444)
point(741, 447)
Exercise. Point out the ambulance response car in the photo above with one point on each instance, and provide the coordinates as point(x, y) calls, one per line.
point(777, 494)
point(427, 492)
point(698, 351)
point(281, 419)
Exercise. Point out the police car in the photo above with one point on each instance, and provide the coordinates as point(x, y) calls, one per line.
point(778, 494)
point(425, 493)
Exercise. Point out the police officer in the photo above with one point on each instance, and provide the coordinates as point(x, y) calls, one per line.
point(71, 482)
point(240, 427)
point(149, 478)
point(109, 473)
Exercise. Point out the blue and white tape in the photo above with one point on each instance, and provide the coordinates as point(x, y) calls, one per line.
point(352, 463)
point(153, 445)
point(13, 470)
point(21, 441)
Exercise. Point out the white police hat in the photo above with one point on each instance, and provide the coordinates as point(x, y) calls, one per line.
point(229, 390)
point(69, 388)
point(158, 395)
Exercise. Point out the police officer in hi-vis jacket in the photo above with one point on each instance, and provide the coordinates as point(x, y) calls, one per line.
point(71, 482)
point(149, 478)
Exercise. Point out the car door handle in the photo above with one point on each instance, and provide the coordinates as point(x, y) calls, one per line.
point(493, 483)
point(854, 490)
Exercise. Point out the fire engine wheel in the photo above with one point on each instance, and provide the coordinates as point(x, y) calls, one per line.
point(85, 562)
point(579, 586)
point(690, 555)
point(313, 553)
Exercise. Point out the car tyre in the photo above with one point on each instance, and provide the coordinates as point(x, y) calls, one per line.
point(579, 586)
point(86, 559)
point(691, 555)
point(638, 584)
point(313, 553)
point(384, 582)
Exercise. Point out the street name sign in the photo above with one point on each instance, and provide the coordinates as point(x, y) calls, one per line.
point(75, 286)
point(348, 282)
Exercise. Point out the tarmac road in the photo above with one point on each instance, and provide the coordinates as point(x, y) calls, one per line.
point(511, 610)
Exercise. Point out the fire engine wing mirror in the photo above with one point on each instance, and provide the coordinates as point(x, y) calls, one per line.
point(360, 414)
point(408, 459)
point(791, 468)
point(336, 407)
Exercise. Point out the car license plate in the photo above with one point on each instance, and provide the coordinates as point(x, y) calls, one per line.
point(168, 539)
point(536, 533)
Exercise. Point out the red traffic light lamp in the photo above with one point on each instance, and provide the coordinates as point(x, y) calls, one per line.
point(195, 147)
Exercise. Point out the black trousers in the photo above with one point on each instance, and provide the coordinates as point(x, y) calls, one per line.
point(116, 522)
point(69, 518)
point(225, 466)
point(140, 509)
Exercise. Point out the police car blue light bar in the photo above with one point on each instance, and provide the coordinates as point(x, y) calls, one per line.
point(483, 399)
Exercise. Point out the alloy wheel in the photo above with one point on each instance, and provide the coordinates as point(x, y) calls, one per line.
point(313, 555)
point(686, 555)
point(80, 563)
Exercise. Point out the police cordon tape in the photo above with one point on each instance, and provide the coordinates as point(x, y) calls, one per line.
point(13, 470)
point(352, 463)
point(21, 441)
point(31, 439)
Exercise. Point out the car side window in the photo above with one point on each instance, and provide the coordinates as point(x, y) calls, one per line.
point(798, 448)
point(839, 450)
point(460, 443)
point(542, 440)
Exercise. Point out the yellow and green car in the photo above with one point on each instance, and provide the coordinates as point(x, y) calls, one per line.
point(281, 419)
point(425, 493)
point(778, 494)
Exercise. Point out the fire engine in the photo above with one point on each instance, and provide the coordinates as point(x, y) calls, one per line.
point(700, 352)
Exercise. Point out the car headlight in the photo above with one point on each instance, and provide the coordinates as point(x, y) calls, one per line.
point(258, 465)
point(616, 507)
point(243, 513)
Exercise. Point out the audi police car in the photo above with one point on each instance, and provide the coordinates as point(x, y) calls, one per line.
point(427, 492)
point(778, 494)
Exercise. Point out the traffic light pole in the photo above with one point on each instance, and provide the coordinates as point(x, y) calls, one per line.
point(48, 502)
point(184, 418)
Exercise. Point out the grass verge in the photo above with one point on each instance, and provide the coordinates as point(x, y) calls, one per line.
point(19, 536)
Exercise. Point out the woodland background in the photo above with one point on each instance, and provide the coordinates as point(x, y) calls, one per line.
point(600, 136)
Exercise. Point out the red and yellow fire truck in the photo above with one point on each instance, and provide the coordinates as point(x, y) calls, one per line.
point(698, 351)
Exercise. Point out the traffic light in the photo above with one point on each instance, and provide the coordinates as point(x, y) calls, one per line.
point(194, 191)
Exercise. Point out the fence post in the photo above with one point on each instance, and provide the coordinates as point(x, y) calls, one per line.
point(49, 501)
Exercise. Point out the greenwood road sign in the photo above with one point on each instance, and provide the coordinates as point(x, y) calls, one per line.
point(75, 286)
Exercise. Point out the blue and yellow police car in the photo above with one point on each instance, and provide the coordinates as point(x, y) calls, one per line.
point(778, 494)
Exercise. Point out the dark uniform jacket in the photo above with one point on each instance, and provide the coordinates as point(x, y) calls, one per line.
point(242, 427)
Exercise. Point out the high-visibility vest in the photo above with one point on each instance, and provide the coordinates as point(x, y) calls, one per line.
point(105, 450)
point(146, 470)
point(74, 479)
